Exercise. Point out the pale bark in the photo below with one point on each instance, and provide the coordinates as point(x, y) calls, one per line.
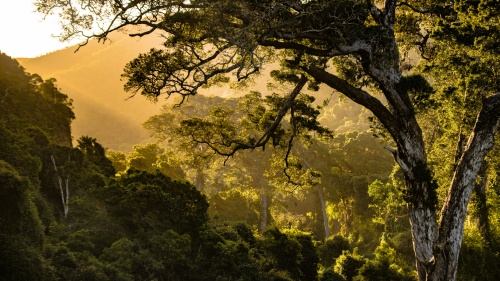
point(264, 206)
point(412, 159)
point(454, 210)
point(437, 247)
point(424, 234)
point(323, 212)
point(199, 180)
point(64, 195)
point(322, 202)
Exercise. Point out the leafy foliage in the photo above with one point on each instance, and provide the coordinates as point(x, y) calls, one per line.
point(153, 203)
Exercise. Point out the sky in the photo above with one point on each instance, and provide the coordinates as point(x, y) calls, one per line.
point(23, 33)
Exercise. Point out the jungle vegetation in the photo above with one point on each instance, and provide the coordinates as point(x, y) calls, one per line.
point(218, 196)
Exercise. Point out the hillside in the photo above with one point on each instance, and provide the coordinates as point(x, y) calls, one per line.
point(91, 77)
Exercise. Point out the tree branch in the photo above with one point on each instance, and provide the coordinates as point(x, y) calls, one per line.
point(436, 10)
point(480, 143)
point(357, 95)
point(390, 13)
point(235, 146)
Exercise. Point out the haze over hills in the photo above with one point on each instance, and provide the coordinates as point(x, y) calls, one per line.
point(92, 78)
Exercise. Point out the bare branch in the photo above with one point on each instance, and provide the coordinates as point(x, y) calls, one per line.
point(289, 147)
point(267, 135)
point(342, 50)
point(375, 12)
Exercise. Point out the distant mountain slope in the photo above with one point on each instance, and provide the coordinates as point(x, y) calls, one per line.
point(91, 77)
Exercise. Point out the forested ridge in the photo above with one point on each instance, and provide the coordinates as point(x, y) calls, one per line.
point(265, 185)
point(91, 77)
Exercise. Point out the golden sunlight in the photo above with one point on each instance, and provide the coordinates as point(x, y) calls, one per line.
point(24, 33)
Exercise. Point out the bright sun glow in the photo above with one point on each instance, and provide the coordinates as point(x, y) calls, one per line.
point(24, 33)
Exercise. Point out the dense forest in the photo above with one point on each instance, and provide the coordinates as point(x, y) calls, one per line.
point(270, 184)
point(84, 213)
point(171, 211)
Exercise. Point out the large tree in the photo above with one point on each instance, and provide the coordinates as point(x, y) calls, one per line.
point(353, 46)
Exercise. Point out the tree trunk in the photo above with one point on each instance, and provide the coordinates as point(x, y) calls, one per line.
point(323, 212)
point(419, 190)
point(421, 204)
point(454, 210)
point(322, 201)
point(64, 195)
point(264, 206)
point(424, 233)
point(199, 180)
